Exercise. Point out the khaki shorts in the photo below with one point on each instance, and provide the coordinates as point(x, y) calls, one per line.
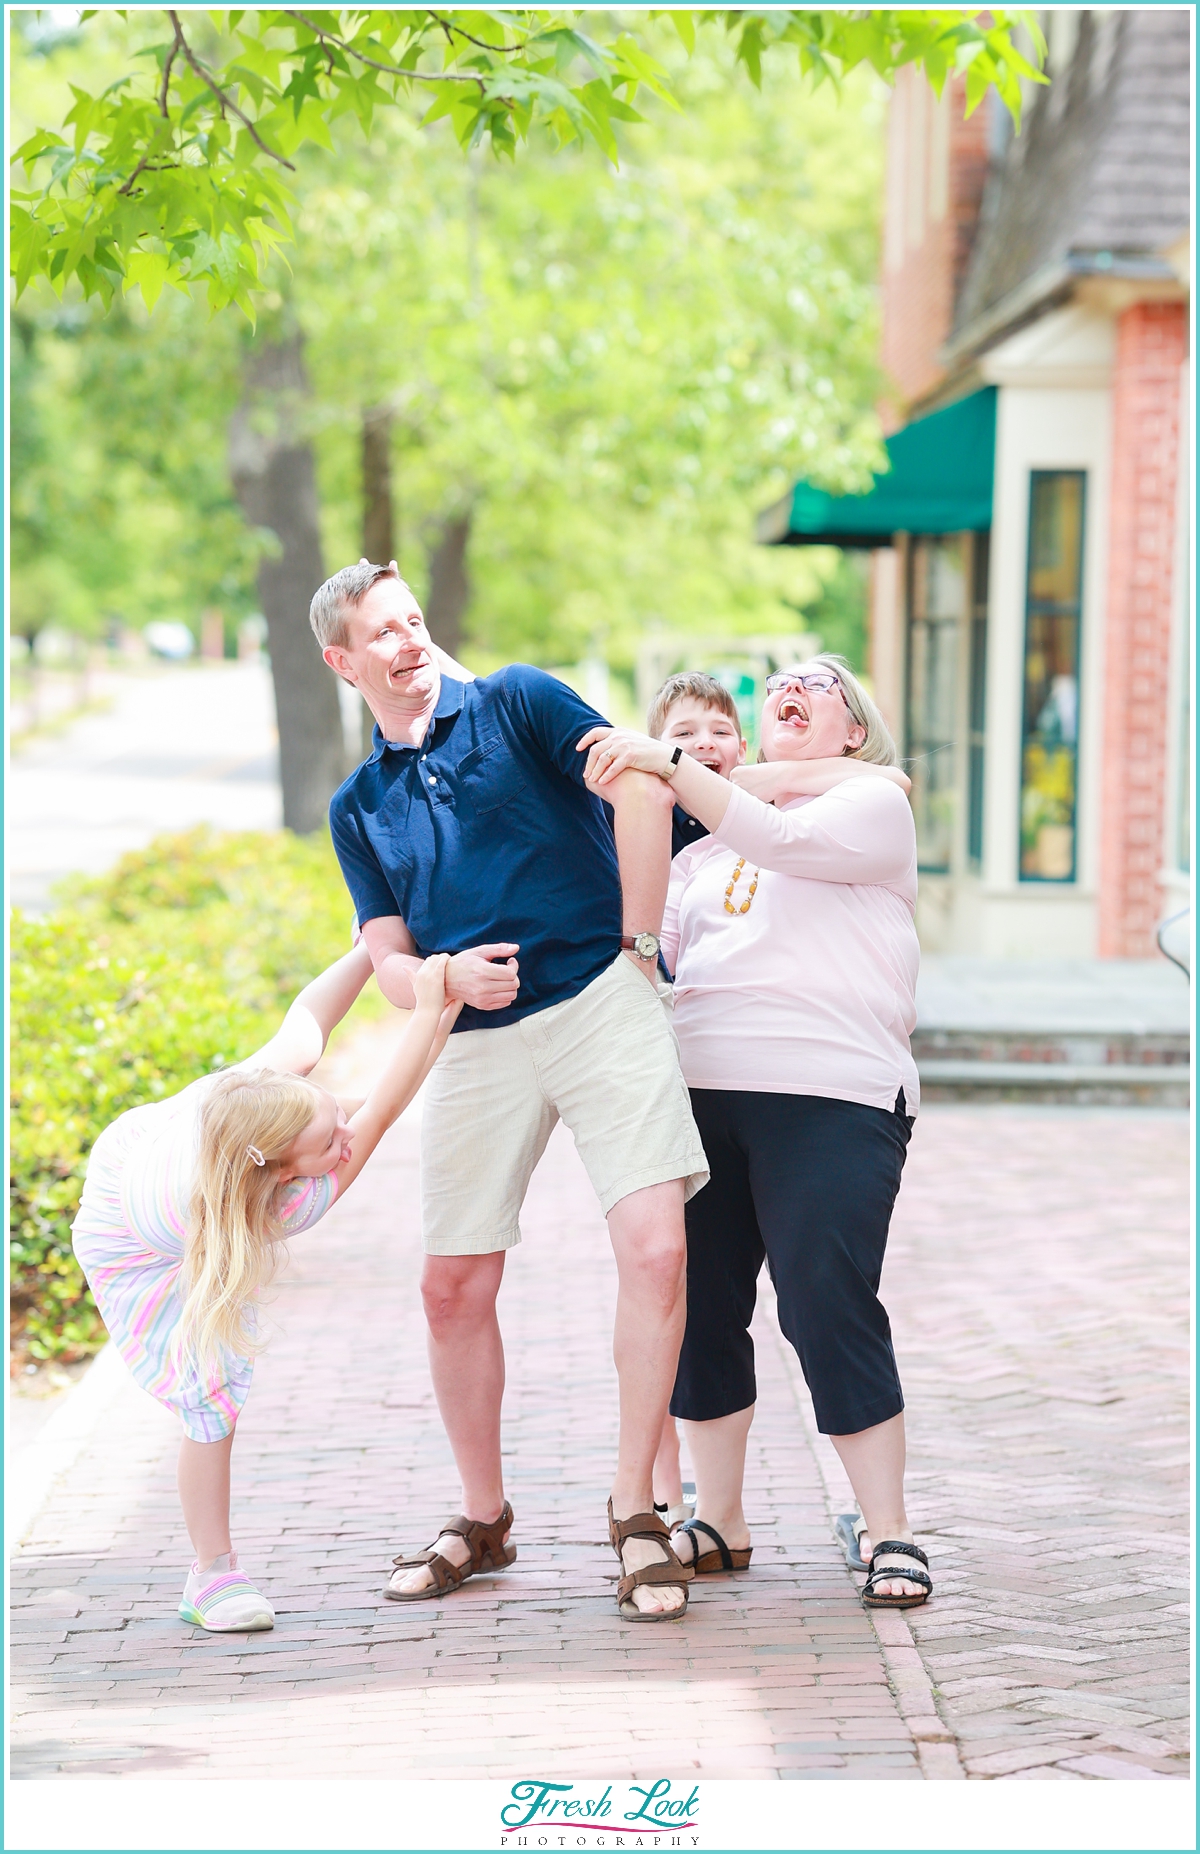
point(605, 1062)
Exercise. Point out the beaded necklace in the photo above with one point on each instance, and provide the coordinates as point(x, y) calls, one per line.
point(745, 907)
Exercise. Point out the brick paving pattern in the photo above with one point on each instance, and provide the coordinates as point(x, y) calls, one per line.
point(1038, 1292)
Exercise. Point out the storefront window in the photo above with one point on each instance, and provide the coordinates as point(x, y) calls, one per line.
point(937, 589)
point(1050, 731)
point(977, 711)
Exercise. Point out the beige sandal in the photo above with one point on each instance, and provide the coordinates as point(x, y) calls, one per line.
point(488, 1553)
point(670, 1571)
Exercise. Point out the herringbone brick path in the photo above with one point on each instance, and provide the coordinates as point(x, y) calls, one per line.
point(1036, 1287)
point(1038, 1279)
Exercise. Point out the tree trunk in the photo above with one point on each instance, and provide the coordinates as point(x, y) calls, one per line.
point(378, 533)
point(379, 541)
point(274, 479)
point(449, 583)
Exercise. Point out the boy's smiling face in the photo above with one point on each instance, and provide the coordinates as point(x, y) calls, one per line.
point(705, 734)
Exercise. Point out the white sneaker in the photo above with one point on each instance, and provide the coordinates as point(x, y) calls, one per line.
point(223, 1599)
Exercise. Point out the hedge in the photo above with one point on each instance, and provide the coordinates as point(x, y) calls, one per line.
point(178, 962)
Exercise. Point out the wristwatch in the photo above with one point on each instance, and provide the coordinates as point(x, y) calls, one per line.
point(668, 772)
point(645, 945)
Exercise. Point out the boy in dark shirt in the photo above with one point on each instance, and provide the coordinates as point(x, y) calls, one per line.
point(697, 713)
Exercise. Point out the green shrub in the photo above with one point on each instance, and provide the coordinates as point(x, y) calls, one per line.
point(180, 961)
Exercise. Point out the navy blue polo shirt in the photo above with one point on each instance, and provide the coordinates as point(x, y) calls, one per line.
point(685, 830)
point(487, 832)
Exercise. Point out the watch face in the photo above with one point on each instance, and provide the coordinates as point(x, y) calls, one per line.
point(646, 946)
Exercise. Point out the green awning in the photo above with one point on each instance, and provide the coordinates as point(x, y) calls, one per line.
point(939, 481)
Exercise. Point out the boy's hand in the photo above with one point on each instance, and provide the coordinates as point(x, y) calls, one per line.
point(429, 984)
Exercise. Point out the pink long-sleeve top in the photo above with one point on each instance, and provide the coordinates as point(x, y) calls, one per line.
point(813, 990)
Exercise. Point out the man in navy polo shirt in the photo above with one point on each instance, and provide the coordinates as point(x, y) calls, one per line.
point(470, 831)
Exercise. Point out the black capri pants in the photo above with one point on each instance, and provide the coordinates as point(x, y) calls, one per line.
point(809, 1183)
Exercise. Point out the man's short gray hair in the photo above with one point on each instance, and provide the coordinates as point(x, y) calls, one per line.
point(328, 611)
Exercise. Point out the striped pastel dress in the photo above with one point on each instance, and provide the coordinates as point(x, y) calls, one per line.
point(129, 1236)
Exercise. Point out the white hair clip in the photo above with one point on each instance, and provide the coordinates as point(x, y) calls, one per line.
point(252, 1152)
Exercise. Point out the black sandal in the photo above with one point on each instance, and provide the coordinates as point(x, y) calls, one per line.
point(724, 1558)
point(878, 1573)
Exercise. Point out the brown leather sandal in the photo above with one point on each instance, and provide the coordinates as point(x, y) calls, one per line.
point(723, 1558)
point(670, 1571)
point(488, 1553)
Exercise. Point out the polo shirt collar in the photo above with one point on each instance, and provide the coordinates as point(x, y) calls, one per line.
point(451, 697)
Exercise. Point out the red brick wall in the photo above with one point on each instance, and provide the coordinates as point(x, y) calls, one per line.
point(937, 165)
point(1151, 346)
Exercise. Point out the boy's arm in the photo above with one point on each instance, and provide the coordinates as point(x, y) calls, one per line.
point(810, 778)
point(299, 1043)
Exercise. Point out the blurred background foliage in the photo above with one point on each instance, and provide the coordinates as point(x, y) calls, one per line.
point(181, 960)
point(586, 381)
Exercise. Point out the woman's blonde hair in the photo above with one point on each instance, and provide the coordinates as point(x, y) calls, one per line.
point(879, 748)
point(233, 1223)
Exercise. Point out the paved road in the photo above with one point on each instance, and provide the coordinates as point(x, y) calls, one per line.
point(175, 747)
point(1037, 1283)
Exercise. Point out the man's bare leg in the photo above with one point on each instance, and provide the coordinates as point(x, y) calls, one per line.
point(466, 1361)
point(648, 1242)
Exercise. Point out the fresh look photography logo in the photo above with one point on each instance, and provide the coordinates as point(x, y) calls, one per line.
point(661, 1814)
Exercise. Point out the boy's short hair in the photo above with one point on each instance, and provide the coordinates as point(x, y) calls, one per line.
point(701, 688)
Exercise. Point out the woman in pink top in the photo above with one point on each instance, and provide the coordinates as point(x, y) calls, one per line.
point(790, 932)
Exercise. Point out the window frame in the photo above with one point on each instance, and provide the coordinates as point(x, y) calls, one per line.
point(1075, 611)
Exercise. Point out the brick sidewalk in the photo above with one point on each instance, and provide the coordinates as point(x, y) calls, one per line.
point(1045, 1367)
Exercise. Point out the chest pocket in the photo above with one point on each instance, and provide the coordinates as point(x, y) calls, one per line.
point(488, 776)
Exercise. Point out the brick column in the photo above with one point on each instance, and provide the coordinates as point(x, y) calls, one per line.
point(1151, 345)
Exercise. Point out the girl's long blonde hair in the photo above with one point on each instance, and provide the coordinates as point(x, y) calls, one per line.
point(234, 1229)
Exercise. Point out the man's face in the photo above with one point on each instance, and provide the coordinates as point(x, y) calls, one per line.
point(705, 734)
point(388, 655)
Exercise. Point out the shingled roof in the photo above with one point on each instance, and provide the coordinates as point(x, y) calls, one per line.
point(1096, 183)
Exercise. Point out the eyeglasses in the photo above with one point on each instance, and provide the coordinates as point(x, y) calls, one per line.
point(820, 681)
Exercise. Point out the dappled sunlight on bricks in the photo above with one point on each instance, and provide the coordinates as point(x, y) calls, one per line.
point(340, 1463)
point(1033, 1290)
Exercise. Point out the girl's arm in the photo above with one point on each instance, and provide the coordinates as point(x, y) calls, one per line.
point(420, 1044)
point(784, 779)
point(299, 1043)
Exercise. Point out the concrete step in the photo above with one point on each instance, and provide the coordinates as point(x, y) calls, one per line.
point(1086, 1030)
point(1146, 1049)
point(1117, 1084)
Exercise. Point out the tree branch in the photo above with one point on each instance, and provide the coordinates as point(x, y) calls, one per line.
point(163, 109)
point(391, 70)
point(452, 31)
point(223, 99)
point(167, 63)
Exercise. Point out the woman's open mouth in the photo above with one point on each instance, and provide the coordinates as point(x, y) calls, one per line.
point(792, 714)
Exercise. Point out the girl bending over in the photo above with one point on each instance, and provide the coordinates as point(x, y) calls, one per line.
point(184, 1210)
